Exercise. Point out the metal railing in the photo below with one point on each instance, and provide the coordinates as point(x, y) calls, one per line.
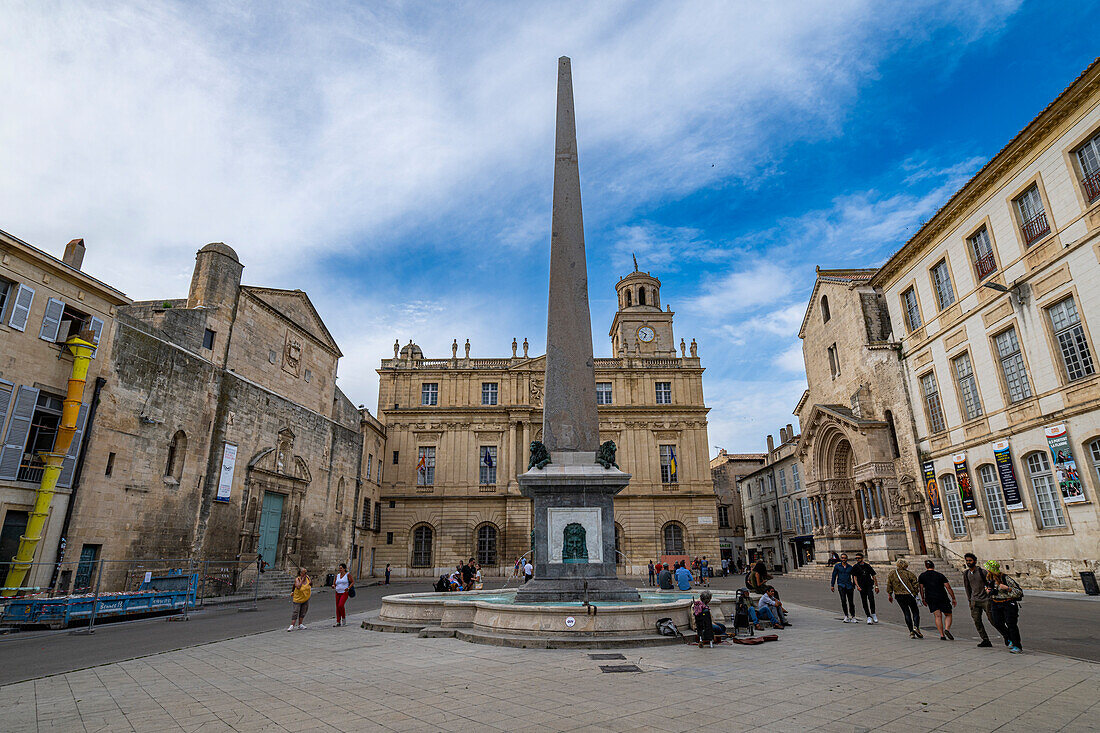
point(1036, 227)
point(1091, 184)
point(986, 265)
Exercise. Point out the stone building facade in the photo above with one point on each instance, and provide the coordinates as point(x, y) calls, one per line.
point(992, 303)
point(220, 431)
point(726, 469)
point(43, 300)
point(777, 507)
point(458, 431)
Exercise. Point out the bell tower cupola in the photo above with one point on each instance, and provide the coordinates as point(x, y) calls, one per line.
point(640, 326)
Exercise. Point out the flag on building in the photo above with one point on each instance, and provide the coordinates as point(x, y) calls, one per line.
point(487, 458)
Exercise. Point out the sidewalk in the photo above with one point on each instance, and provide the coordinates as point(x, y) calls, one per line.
point(820, 675)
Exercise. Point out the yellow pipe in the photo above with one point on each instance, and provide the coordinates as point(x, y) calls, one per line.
point(81, 345)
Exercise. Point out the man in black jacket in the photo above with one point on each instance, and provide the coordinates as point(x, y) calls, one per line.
point(867, 584)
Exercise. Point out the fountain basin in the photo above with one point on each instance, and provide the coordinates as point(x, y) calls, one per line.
point(494, 616)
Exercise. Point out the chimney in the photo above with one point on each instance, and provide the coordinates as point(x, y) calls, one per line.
point(771, 444)
point(74, 254)
point(782, 436)
point(790, 432)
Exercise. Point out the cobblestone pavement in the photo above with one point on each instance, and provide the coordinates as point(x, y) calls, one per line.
point(820, 675)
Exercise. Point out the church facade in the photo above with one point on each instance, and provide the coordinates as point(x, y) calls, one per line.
point(458, 432)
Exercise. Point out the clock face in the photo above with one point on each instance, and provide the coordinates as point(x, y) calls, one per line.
point(645, 333)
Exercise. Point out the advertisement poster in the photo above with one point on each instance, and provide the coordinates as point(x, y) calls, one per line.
point(1065, 468)
point(1010, 489)
point(966, 489)
point(225, 481)
point(933, 490)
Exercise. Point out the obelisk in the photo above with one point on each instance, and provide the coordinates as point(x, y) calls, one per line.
point(573, 496)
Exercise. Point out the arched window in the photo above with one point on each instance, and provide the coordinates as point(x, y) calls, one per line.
point(177, 451)
point(641, 296)
point(422, 547)
point(628, 303)
point(674, 539)
point(825, 309)
point(618, 544)
point(1046, 492)
point(949, 490)
point(893, 434)
point(487, 545)
point(994, 499)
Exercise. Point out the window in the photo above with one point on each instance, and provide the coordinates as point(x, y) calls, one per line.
point(950, 492)
point(395, 456)
point(941, 283)
point(1088, 157)
point(425, 465)
point(723, 516)
point(787, 514)
point(110, 464)
point(985, 264)
point(364, 517)
point(487, 545)
point(41, 436)
point(488, 465)
point(674, 539)
point(664, 393)
point(1070, 334)
point(932, 406)
point(825, 309)
point(994, 500)
point(429, 393)
point(752, 524)
point(1012, 365)
point(378, 518)
point(629, 301)
point(968, 387)
point(641, 296)
point(15, 526)
point(488, 393)
point(1033, 218)
point(7, 288)
point(603, 393)
point(307, 375)
point(912, 310)
point(796, 480)
point(782, 482)
point(748, 489)
point(806, 519)
point(370, 460)
point(668, 464)
point(21, 307)
point(389, 538)
point(177, 449)
point(834, 361)
point(1046, 498)
point(893, 434)
point(422, 547)
point(208, 339)
point(1094, 453)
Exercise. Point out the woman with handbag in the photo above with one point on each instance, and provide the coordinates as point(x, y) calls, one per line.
point(299, 599)
point(345, 587)
point(902, 584)
point(1004, 595)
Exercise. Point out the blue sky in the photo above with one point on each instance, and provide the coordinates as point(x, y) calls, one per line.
point(395, 161)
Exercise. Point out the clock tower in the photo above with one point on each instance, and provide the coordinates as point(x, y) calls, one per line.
point(640, 326)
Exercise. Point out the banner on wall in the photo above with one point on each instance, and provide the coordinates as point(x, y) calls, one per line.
point(1065, 468)
point(933, 489)
point(225, 479)
point(1010, 489)
point(966, 489)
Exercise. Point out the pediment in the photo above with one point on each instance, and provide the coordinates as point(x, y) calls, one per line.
point(268, 461)
point(296, 307)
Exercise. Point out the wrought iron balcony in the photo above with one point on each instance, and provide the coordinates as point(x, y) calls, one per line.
point(1036, 228)
point(986, 265)
point(1091, 184)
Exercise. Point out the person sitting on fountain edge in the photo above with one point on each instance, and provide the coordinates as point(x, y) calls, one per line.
point(683, 576)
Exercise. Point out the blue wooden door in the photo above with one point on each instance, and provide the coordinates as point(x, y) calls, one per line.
point(271, 517)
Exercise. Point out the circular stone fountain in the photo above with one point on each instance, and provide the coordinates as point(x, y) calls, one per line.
point(494, 617)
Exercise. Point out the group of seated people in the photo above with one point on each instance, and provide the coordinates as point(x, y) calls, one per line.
point(768, 608)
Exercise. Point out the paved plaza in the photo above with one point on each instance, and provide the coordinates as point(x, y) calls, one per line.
point(820, 675)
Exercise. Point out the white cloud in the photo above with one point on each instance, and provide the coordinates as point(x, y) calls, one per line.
point(760, 284)
point(744, 411)
point(790, 359)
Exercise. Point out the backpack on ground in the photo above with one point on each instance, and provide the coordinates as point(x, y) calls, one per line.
point(666, 627)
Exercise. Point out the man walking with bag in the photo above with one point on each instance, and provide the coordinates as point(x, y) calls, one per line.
point(976, 581)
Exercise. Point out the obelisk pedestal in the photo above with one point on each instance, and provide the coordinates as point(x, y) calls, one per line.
point(573, 496)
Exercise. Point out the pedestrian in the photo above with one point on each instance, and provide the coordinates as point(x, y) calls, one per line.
point(683, 577)
point(1004, 597)
point(652, 574)
point(528, 570)
point(344, 583)
point(934, 590)
point(260, 563)
point(770, 606)
point(725, 566)
point(479, 581)
point(664, 577)
point(299, 597)
point(704, 571)
point(976, 583)
point(517, 569)
point(467, 570)
point(387, 573)
point(842, 576)
point(902, 584)
point(863, 575)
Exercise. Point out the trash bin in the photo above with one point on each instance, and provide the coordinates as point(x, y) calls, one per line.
point(1088, 579)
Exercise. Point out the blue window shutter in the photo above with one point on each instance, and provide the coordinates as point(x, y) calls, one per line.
point(51, 320)
point(97, 329)
point(21, 310)
point(15, 440)
point(68, 466)
point(5, 401)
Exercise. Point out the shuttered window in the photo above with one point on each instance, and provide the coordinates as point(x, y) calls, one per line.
point(21, 309)
point(51, 319)
point(19, 427)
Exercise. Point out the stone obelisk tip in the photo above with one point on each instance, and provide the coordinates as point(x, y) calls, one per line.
point(569, 420)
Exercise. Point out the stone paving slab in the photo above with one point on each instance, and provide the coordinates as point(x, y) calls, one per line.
point(820, 676)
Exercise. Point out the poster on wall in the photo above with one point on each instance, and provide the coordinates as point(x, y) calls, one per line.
point(966, 489)
point(1010, 489)
point(933, 489)
point(225, 480)
point(1065, 468)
